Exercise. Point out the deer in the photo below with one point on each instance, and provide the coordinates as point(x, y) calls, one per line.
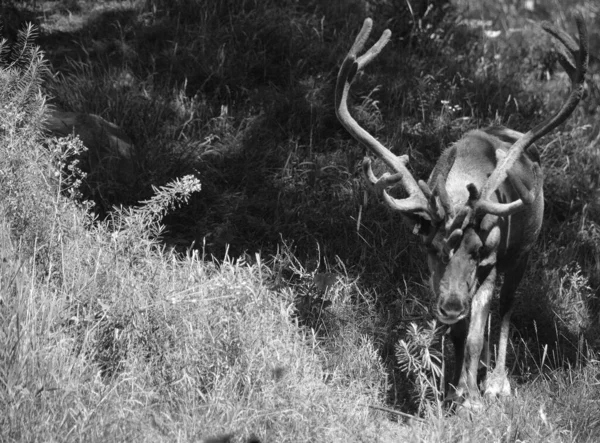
point(478, 215)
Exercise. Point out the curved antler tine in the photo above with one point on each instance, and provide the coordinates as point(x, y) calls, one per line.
point(361, 39)
point(367, 57)
point(445, 200)
point(378, 184)
point(527, 196)
point(368, 172)
point(413, 204)
point(437, 213)
point(461, 220)
point(425, 189)
point(580, 55)
point(584, 48)
point(439, 178)
point(567, 61)
point(571, 55)
point(561, 36)
point(499, 209)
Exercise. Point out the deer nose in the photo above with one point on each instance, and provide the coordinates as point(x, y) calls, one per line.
point(451, 310)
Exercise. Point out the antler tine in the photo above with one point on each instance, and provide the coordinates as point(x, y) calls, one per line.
point(360, 41)
point(379, 184)
point(416, 202)
point(439, 178)
point(562, 36)
point(526, 196)
point(570, 52)
point(436, 212)
point(580, 55)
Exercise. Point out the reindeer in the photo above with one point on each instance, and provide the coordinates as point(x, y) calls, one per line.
point(479, 214)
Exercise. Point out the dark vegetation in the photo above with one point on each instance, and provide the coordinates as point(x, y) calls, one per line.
point(240, 94)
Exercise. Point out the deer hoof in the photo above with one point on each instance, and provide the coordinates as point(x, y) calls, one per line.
point(497, 385)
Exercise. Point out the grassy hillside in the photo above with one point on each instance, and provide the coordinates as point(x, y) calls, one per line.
point(244, 286)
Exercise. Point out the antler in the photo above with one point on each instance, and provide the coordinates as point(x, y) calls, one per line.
point(416, 202)
point(574, 60)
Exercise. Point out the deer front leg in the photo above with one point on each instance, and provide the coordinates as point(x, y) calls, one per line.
point(496, 383)
point(458, 335)
point(480, 307)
